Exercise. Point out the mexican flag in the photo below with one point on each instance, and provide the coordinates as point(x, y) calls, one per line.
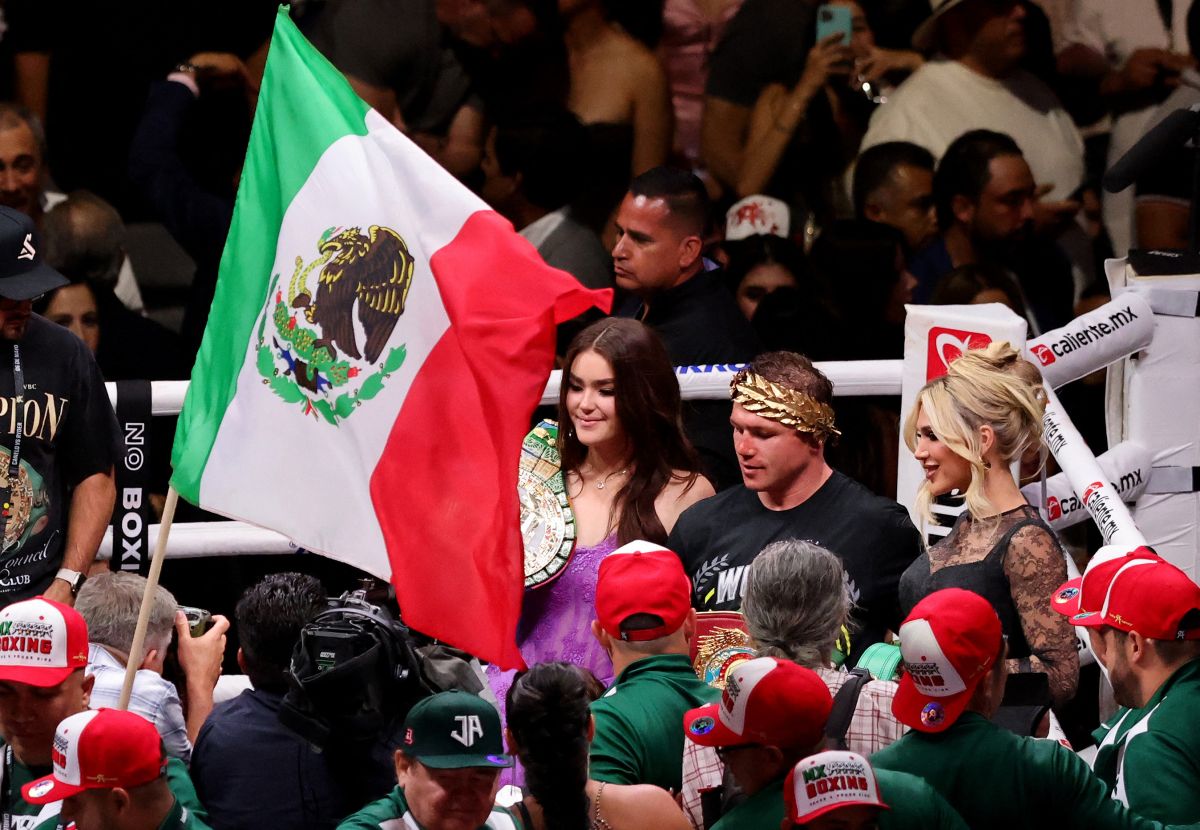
point(377, 344)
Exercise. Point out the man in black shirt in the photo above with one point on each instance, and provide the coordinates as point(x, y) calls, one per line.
point(61, 487)
point(658, 261)
point(782, 419)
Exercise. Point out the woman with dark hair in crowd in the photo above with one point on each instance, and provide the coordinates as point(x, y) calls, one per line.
point(629, 473)
point(760, 265)
point(966, 429)
point(549, 730)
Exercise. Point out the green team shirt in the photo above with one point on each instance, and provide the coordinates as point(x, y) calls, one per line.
point(996, 779)
point(391, 813)
point(1110, 739)
point(639, 722)
point(1158, 760)
point(26, 816)
point(914, 806)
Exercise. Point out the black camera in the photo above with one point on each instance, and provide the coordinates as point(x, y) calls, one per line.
point(354, 674)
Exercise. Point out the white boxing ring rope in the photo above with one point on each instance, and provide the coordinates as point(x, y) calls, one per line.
point(849, 378)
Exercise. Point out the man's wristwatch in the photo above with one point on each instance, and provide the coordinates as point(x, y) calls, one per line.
point(73, 578)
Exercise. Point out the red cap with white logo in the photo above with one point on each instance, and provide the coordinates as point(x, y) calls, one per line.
point(949, 642)
point(765, 701)
point(1153, 598)
point(829, 781)
point(1087, 592)
point(99, 749)
point(41, 642)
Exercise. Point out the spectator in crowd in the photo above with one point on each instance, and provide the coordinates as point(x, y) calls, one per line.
point(1142, 615)
point(84, 238)
point(23, 154)
point(658, 260)
point(893, 184)
point(549, 729)
point(986, 200)
point(769, 719)
point(966, 429)
point(447, 769)
point(1136, 50)
point(797, 604)
point(977, 83)
point(24, 187)
point(408, 74)
point(109, 602)
point(981, 282)
point(1163, 197)
point(864, 265)
point(645, 622)
point(691, 31)
point(765, 42)
point(992, 777)
point(760, 265)
point(618, 90)
point(249, 769)
point(68, 446)
point(823, 115)
point(782, 420)
point(195, 210)
point(110, 774)
point(771, 715)
point(532, 172)
point(38, 690)
point(839, 791)
point(629, 473)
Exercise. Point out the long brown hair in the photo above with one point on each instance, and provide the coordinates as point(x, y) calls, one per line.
point(648, 407)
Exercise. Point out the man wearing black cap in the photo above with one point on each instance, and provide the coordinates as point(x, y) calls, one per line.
point(58, 433)
point(447, 767)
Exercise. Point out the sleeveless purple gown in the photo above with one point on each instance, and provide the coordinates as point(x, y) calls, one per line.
point(556, 625)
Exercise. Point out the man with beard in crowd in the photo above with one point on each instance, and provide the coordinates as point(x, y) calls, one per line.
point(986, 200)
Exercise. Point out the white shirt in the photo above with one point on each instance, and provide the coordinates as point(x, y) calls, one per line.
point(1115, 30)
point(944, 99)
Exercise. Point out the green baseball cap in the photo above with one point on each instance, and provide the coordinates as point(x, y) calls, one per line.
point(455, 729)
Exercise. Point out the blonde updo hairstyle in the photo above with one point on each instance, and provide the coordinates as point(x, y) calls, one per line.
point(994, 386)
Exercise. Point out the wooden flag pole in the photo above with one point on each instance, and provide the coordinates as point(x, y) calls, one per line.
point(143, 622)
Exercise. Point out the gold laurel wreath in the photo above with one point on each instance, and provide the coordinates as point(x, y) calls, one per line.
point(789, 407)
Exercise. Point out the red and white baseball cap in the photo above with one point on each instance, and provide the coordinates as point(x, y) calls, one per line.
point(949, 642)
point(99, 749)
point(757, 215)
point(1152, 597)
point(765, 701)
point(828, 781)
point(41, 642)
point(1088, 591)
point(642, 578)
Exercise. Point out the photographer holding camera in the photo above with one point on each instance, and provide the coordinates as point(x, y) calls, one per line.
point(110, 602)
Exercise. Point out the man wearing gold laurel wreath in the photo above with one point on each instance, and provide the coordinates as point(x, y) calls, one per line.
point(782, 419)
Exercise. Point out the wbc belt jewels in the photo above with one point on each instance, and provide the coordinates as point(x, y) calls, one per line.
point(547, 521)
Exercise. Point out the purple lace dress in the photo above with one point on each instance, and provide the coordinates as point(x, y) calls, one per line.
point(556, 625)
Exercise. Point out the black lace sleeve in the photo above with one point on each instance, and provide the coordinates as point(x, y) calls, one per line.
point(1035, 566)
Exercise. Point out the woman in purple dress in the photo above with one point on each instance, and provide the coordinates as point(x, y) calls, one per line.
point(629, 473)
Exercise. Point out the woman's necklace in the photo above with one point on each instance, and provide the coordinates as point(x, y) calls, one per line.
point(601, 483)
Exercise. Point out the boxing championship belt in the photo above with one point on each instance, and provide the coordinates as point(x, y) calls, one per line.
point(547, 521)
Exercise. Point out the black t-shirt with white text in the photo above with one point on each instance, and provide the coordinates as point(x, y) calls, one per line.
point(70, 433)
point(719, 537)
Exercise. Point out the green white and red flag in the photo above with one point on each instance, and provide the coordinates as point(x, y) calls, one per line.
point(377, 344)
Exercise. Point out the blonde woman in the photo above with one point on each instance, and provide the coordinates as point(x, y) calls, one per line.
point(966, 429)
